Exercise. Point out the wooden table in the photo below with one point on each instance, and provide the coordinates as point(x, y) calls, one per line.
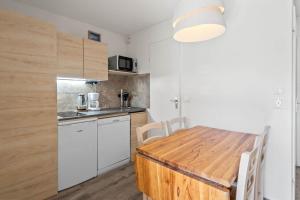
point(200, 163)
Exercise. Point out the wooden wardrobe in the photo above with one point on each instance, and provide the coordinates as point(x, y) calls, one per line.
point(28, 130)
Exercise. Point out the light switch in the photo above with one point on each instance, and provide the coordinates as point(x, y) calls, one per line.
point(278, 98)
point(278, 102)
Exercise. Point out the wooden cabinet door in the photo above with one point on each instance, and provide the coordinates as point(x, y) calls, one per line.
point(137, 120)
point(28, 121)
point(70, 56)
point(95, 60)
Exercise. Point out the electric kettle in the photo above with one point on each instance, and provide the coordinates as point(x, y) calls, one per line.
point(81, 102)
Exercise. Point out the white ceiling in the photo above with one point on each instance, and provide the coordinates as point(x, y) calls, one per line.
point(122, 16)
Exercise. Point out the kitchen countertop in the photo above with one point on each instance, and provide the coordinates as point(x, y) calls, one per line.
point(101, 113)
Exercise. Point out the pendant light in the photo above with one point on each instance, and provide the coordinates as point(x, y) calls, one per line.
point(198, 20)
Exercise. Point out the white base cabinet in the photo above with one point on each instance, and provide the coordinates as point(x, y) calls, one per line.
point(90, 147)
point(77, 152)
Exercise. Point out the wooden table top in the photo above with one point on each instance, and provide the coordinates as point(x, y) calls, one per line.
point(206, 153)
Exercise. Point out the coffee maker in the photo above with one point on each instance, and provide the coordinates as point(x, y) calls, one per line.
point(93, 101)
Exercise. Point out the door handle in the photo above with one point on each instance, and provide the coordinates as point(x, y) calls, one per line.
point(175, 101)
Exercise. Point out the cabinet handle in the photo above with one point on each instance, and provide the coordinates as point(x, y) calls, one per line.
point(79, 131)
point(116, 120)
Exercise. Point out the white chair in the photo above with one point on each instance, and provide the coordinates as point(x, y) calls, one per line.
point(262, 147)
point(181, 122)
point(247, 175)
point(143, 131)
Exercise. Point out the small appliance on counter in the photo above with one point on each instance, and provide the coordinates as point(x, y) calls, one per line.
point(93, 101)
point(81, 102)
point(122, 63)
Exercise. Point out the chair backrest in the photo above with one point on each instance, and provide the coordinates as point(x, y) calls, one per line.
point(262, 148)
point(247, 175)
point(181, 122)
point(142, 131)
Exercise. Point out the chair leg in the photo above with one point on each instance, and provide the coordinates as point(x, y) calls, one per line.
point(145, 197)
point(260, 189)
point(260, 196)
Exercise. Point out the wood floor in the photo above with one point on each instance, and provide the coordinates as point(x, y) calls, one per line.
point(123, 181)
point(118, 184)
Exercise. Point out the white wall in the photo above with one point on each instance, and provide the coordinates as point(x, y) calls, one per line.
point(117, 43)
point(298, 92)
point(230, 82)
point(139, 43)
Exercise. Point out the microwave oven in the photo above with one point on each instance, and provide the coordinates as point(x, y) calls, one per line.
point(122, 63)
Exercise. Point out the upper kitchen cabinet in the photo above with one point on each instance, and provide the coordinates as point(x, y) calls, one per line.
point(70, 56)
point(95, 60)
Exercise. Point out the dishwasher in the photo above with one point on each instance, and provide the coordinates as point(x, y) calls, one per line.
point(113, 143)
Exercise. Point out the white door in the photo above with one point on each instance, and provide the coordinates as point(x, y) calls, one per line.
point(164, 80)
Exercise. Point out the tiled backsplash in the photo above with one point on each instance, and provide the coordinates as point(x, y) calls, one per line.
point(137, 86)
point(139, 89)
point(110, 89)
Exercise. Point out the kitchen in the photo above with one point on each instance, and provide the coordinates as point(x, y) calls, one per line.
point(98, 130)
point(98, 105)
point(79, 88)
point(96, 114)
point(96, 110)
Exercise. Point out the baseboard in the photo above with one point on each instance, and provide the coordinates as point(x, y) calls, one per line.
point(114, 166)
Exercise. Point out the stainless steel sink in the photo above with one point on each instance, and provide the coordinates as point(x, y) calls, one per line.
point(70, 114)
point(106, 111)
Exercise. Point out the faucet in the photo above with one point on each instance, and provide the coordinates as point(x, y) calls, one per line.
point(121, 97)
point(124, 98)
